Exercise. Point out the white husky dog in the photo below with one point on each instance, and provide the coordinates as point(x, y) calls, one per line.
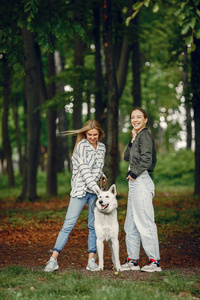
point(106, 225)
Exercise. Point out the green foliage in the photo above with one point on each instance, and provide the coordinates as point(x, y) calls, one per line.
point(175, 169)
point(186, 12)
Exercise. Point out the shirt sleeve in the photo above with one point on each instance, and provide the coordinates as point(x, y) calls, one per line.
point(83, 167)
point(127, 152)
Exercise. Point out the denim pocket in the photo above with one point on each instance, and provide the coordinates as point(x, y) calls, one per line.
point(149, 184)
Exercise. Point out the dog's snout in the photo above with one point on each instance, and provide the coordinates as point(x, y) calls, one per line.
point(100, 202)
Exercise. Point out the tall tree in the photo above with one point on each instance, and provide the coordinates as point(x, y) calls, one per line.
point(195, 80)
point(33, 116)
point(187, 99)
point(99, 106)
point(18, 136)
point(51, 131)
point(136, 63)
point(63, 122)
point(111, 160)
point(5, 135)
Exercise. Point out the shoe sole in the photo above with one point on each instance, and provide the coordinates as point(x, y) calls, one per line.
point(138, 269)
point(56, 268)
point(87, 268)
point(151, 271)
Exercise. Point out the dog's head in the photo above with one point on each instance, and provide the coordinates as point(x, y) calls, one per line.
point(106, 201)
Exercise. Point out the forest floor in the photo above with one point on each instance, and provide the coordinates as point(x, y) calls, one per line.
point(28, 232)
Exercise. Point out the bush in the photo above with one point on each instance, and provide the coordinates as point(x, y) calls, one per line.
point(175, 168)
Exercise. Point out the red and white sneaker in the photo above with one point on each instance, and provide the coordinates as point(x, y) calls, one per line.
point(152, 266)
point(130, 265)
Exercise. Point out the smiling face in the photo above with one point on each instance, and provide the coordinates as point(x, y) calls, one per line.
point(138, 120)
point(92, 136)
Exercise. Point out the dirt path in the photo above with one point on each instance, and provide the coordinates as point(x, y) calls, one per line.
point(30, 245)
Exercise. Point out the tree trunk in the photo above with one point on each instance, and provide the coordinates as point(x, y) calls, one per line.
point(123, 65)
point(111, 161)
point(51, 132)
point(187, 100)
point(18, 137)
point(33, 116)
point(63, 123)
point(78, 86)
point(195, 79)
point(136, 64)
point(99, 105)
point(5, 136)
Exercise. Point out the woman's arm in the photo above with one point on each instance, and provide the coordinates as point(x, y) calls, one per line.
point(79, 159)
point(146, 154)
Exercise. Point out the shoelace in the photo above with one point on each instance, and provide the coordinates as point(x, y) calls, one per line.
point(153, 261)
point(131, 261)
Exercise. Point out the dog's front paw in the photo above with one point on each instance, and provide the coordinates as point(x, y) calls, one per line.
point(119, 268)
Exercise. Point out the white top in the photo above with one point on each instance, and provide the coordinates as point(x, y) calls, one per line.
point(87, 167)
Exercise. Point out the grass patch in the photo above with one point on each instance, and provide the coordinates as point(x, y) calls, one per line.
point(63, 179)
point(23, 283)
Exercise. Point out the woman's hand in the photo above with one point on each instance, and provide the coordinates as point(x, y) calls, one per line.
point(129, 177)
point(133, 135)
point(104, 181)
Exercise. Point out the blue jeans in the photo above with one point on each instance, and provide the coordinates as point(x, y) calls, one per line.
point(140, 223)
point(74, 209)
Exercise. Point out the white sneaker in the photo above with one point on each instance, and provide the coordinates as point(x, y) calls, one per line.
point(152, 266)
point(130, 265)
point(92, 266)
point(52, 265)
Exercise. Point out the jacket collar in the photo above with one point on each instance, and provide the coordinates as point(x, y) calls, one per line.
point(142, 130)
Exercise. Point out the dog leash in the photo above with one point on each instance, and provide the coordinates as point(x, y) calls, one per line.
point(102, 187)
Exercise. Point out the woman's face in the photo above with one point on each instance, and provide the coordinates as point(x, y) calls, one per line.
point(138, 120)
point(92, 136)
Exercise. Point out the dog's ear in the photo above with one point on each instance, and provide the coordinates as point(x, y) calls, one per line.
point(112, 189)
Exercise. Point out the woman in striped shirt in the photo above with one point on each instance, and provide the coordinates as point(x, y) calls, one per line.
point(87, 161)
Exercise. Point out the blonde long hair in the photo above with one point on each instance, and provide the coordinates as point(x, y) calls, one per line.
point(81, 133)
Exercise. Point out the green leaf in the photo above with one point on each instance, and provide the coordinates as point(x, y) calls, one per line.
point(29, 18)
point(155, 8)
point(131, 17)
point(193, 23)
point(198, 12)
point(177, 12)
point(147, 2)
point(197, 33)
point(128, 21)
point(183, 4)
point(27, 8)
point(46, 48)
point(124, 10)
point(185, 28)
point(16, 67)
point(137, 5)
point(189, 40)
point(196, 2)
point(193, 47)
point(35, 8)
point(28, 3)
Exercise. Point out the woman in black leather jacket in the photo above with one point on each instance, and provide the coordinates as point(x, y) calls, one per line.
point(140, 223)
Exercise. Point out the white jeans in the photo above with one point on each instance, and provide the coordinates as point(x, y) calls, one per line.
point(140, 223)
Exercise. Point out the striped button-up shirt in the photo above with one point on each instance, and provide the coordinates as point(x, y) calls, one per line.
point(87, 167)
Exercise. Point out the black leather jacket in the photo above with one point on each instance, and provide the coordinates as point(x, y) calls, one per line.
point(141, 154)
